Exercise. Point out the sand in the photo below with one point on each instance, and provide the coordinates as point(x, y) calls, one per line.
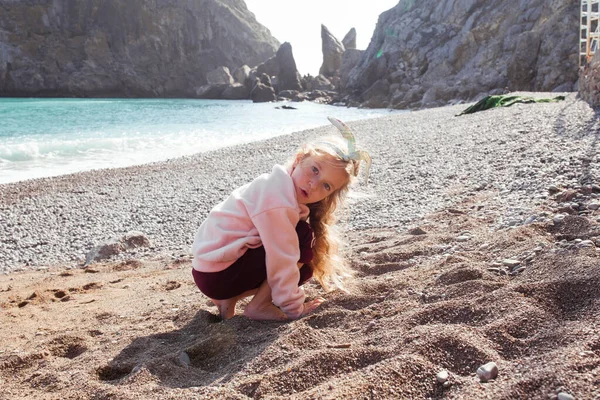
point(495, 264)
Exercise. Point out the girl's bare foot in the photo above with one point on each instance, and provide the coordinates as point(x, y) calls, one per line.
point(264, 312)
point(226, 307)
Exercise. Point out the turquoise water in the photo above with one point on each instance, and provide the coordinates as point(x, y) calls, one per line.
point(50, 137)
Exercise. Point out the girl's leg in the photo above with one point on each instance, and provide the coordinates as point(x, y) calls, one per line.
point(227, 307)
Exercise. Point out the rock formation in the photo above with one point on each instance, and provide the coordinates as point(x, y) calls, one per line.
point(332, 53)
point(289, 78)
point(349, 41)
point(150, 48)
point(433, 52)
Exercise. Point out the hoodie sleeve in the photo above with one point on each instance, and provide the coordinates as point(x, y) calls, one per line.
point(277, 230)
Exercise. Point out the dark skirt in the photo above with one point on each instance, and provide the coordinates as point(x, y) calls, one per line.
point(250, 270)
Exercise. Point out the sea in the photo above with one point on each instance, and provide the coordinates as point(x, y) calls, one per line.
point(50, 137)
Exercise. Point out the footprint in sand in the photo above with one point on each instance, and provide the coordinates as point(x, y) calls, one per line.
point(212, 353)
point(67, 346)
point(172, 285)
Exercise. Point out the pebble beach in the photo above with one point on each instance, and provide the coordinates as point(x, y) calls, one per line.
point(474, 242)
point(423, 161)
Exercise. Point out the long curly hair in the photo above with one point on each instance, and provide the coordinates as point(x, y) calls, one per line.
point(329, 268)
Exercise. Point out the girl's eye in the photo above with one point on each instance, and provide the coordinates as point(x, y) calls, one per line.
point(327, 187)
point(315, 170)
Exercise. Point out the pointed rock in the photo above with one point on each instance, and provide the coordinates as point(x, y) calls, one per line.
point(289, 78)
point(332, 53)
point(349, 41)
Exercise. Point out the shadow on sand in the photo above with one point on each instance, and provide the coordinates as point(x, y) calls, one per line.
point(204, 351)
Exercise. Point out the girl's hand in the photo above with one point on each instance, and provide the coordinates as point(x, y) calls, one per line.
point(309, 306)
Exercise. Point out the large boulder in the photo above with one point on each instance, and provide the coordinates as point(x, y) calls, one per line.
point(269, 67)
point(448, 51)
point(262, 93)
point(319, 82)
point(241, 74)
point(150, 48)
point(219, 75)
point(288, 77)
point(349, 41)
point(332, 53)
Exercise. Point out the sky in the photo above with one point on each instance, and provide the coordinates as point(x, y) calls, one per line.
point(299, 23)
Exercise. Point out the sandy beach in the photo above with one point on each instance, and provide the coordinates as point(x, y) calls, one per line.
point(475, 241)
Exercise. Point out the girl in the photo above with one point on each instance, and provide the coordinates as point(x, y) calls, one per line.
point(273, 234)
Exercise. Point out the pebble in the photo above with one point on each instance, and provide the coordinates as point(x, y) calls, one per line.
point(565, 396)
point(417, 231)
point(593, 206)
point(511, 263)
point(586, 243)
point(184, 359)
point(558, 218)
point(463, 238)
point(487, 371)
point(519, 270)
point(442, 376)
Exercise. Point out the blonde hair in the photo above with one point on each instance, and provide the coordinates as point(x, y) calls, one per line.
point(329, 268)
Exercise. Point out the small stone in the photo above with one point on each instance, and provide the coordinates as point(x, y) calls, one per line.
point(558, 218)
point(530, 220)
point(442, 376)
point(463, 238)
point(565, 396)
point(586, 243)
point(553, 189)
point(519, 270)
point(511, 263)
point(487, 371)
point(184, 359)
point(593, 206)
point(447, 384)
point(417, 231)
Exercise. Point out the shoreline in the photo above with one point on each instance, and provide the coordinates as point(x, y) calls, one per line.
point(423, 161)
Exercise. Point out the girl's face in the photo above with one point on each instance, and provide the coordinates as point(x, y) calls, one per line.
point(315, 178)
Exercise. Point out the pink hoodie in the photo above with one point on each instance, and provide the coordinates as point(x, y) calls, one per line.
point(263, 212)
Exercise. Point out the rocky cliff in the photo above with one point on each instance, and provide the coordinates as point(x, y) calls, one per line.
point(124, 48)
point(431, 52)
